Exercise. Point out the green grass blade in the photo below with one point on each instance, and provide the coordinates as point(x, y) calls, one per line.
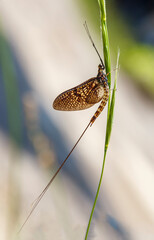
point(111, 112)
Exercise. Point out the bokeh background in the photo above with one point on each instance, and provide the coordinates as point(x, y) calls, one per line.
point(45, 50)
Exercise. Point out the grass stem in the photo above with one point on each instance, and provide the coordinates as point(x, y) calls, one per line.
point(111, 101)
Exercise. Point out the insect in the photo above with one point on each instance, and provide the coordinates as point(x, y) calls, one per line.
point(86, 94)
point(81, 97)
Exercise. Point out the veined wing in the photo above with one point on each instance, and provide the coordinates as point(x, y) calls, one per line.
point(77, 98)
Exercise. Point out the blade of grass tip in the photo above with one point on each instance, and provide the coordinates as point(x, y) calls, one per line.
point(111, 112)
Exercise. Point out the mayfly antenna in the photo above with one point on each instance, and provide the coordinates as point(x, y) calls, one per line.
point(88, 33)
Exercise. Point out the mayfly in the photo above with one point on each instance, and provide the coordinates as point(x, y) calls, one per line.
point(81, 97)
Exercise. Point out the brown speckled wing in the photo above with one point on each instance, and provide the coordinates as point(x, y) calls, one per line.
point(80, 97)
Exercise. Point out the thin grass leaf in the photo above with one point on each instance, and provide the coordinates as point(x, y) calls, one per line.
point(112, 104)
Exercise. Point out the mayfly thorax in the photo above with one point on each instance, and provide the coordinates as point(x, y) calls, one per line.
point(81, 97)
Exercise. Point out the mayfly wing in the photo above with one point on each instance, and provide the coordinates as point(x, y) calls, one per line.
point(80, 97)
point(75, 98)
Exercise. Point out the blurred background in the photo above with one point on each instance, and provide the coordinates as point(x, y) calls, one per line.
point(45, 50)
